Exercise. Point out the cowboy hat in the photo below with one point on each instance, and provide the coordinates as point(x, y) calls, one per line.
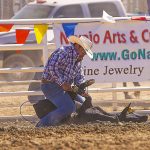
point(84, 42)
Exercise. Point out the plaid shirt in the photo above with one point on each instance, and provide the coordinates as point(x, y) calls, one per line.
point(62, 66)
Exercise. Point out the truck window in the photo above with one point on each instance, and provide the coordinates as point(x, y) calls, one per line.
point(34, 12)
point(96, 9)
point(69, 11)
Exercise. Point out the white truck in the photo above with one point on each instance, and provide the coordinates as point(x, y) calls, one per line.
point(51, 9)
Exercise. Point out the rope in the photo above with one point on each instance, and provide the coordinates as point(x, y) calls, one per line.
point(23, 115)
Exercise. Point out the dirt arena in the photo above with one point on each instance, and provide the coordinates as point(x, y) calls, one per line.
point(96, 136)
point(21, 135)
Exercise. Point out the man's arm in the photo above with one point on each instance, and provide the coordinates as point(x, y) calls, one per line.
point(55, 67)
point(80, 78)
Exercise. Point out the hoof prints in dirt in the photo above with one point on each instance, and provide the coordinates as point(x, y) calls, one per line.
point(22, 135)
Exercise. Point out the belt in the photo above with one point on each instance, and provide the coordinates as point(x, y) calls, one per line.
point(46, 81)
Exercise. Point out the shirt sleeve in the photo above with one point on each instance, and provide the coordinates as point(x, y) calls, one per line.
point(80, 78)
point(55, 65)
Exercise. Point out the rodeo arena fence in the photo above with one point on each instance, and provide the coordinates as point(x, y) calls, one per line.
point(47, 48)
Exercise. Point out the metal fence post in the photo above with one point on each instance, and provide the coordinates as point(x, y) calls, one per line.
point(114, 97)
point(45, 50)
point(2, 10)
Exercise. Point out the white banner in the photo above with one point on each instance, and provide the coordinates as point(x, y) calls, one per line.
point(121, 50)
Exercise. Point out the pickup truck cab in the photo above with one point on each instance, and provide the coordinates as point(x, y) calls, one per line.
point(71, 9)
point(51, 9)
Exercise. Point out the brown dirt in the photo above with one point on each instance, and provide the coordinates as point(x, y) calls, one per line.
point(96, 136)
point(21, 135)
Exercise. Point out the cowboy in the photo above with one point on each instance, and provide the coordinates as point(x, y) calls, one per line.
point(63, 69)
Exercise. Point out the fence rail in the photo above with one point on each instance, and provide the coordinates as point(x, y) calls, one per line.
point(12, 47)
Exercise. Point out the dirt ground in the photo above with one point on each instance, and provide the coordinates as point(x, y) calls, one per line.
point(21, 135)
point(96, 136)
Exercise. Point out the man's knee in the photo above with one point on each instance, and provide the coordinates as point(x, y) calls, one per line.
point(69, 108)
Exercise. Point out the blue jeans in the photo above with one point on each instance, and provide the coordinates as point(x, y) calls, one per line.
point(64, 103)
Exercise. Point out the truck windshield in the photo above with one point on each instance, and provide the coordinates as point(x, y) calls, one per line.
point(34, 12)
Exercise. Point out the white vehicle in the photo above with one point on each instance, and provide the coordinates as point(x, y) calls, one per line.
point(51, 9)
point(71, 9)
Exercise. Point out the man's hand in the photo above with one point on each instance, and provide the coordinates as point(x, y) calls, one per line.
point(66, 87)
